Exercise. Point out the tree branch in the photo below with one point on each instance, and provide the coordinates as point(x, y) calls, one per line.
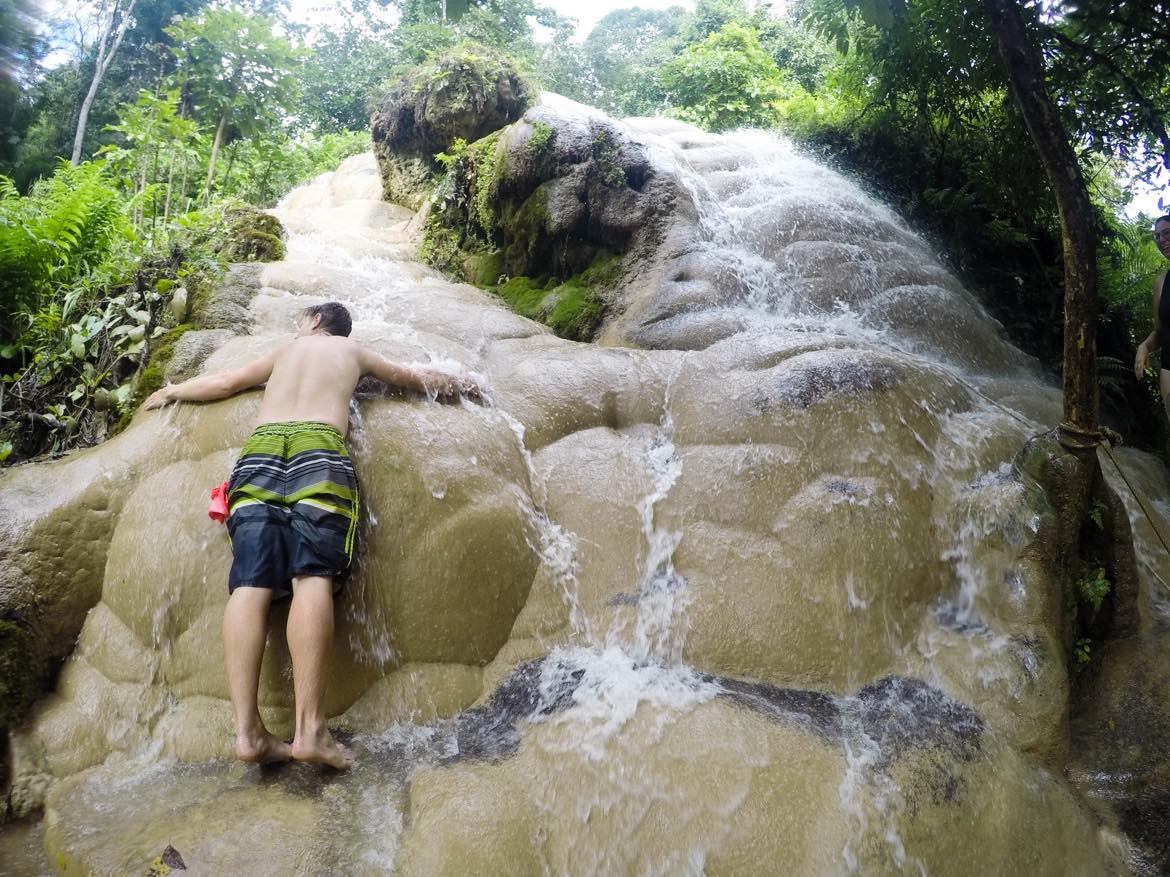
point(1152, 117)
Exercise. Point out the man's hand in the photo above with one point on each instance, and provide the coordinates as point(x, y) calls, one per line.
point(449, 385)
point(469, 385)
point(158, 398)
point(1140, 360)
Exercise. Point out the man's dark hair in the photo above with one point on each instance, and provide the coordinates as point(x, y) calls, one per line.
point(1165, 218)
point(335, 318)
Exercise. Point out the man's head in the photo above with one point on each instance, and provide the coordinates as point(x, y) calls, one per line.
point(330, 318)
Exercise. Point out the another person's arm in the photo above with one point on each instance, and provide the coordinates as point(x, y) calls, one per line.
point(207, 388)
point(421, 380)
point(1154, 338)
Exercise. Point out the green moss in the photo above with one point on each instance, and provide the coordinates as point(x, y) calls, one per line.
point(247, 234)
point(604, 271)
point(484, 269)
point(540, 138)
point(525, 229)
point(249, 244)
point(573, 309)
point(605, 153)
point(576, 313)
point(484, 156)
point(154, 374)
point(524, 296)
point(440, 246)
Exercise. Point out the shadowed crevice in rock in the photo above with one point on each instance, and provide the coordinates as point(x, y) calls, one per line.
point(813, 710)
point(810, 384)
point(900, 714)
point(492, 731)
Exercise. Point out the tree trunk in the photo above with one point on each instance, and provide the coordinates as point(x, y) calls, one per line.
point(231, 163)
point(170, 188)
point(183, 185)
point(117, 29)
point(233, 86)
point(214, 153)
point(1078, 221)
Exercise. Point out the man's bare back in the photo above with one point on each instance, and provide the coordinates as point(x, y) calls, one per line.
point(312, 378)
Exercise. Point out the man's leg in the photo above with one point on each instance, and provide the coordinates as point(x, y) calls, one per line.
point(245, 628)
point(310, 635)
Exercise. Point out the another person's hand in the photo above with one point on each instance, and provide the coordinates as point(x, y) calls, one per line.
point(1140, 360)
point(158, 398)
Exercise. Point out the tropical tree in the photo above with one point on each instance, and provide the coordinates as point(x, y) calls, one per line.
point(338, 76)
point(1078, 220)
point(115, 18)
point(157, 144)
point(624, 52)
point(238, 69)
point(726, 81)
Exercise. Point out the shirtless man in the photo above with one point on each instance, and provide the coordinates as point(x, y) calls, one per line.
point(293, 509)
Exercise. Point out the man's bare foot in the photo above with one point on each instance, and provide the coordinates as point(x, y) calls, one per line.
point(322, 749)
point(261, 748)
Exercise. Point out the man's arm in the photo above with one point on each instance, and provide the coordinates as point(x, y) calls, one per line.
point(207, 388)
point(421, 380)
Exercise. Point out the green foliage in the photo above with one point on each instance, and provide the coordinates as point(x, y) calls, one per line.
point(440, 247)
point(239, 69)
point(488, 160)
point(726, 81)
point(1083, 651)
point(92, 299)
point(621, 58)
point(63, 229)
point(340, 74)
point(153, 376)
point(1093, 588)
point(472, 178)
point(1097, 514)
point(605, 152)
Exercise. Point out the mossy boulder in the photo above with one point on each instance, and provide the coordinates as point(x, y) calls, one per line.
point(463, 94)
point(544, 212)
point(252, 235)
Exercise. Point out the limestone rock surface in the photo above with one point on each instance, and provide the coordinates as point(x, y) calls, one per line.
point(780, 601)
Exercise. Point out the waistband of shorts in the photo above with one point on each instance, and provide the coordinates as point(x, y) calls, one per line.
point(293, 427)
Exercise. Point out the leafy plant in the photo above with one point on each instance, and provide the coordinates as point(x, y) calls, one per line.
point(1093, 588)
point(1097, 514)
point(1083, 651)
point(65, 227)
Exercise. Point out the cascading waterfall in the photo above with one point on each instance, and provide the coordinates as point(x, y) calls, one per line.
point(764, 605)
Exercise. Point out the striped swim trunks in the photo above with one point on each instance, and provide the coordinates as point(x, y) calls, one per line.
point(292, 507)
